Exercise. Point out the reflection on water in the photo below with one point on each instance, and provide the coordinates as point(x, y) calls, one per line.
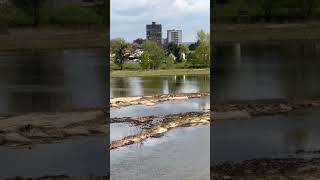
point(164, 108)
point(139, 86)
point(278, 136)
point(257, 70)
point(182, 154)
point(52, 80)
point(76, 157)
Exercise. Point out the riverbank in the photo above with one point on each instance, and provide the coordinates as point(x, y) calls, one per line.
point(166, 72)
point(26, 130)
point(268, 169)
point(53, 38)
point(265, 32)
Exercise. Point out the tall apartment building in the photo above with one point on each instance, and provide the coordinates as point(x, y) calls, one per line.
point(174, 36)
point(154, 32)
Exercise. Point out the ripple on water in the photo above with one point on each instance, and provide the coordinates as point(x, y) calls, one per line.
point(181, 153)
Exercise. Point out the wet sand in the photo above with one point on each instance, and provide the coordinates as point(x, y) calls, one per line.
point(152, 100)
point(39, 128)
point(158, 129)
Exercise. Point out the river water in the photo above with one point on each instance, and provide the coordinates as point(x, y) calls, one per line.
point(183, 153)
point(140, 86)
point(52, 80)
point(266, 70)
point(49, 81)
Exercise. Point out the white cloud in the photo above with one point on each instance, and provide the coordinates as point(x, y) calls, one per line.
point(129, 17)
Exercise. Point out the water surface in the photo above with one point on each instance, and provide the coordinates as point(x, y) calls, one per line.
point(73, 157)
point(140, 86)
point(52, 80)
point(264, 70)
point(277, 136)
point(182, 154)
point(163, 108)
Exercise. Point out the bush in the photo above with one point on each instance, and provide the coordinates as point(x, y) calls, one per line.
point(170, 62)
point(145, 60)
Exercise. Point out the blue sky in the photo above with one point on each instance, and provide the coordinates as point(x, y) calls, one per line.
point(129, 17)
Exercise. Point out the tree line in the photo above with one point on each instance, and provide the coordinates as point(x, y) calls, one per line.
point(155, 56)
point(267, 10)
point(32, 9)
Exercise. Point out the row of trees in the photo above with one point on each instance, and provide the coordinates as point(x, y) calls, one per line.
point(268, 8)
point(154, 56)
point(32, 8)
point(305, 7)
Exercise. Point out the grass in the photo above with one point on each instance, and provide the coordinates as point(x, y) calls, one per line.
point(167, 72)
point(262, 31)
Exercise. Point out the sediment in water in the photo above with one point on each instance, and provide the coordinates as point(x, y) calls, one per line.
point(152, 100)
point(222, 111)
point(160, 128)
point(38, 128)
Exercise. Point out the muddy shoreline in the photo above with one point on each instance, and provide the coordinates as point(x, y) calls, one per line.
point(268, 169)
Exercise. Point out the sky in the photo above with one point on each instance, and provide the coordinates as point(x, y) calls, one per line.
point(129, 17)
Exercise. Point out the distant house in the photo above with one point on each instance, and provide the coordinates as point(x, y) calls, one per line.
point(134, 57)
point(62, 3)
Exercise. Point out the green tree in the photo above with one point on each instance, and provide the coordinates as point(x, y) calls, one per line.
point(193, 60)
point(145, 60)
point(192, 46)
point(173, 48)
point(156, 53)
point(177, 51)
point(121, 50)
point(202, 52)
point(169, 62)
point(116, 43)
point(31, 7)
point(182, 50)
